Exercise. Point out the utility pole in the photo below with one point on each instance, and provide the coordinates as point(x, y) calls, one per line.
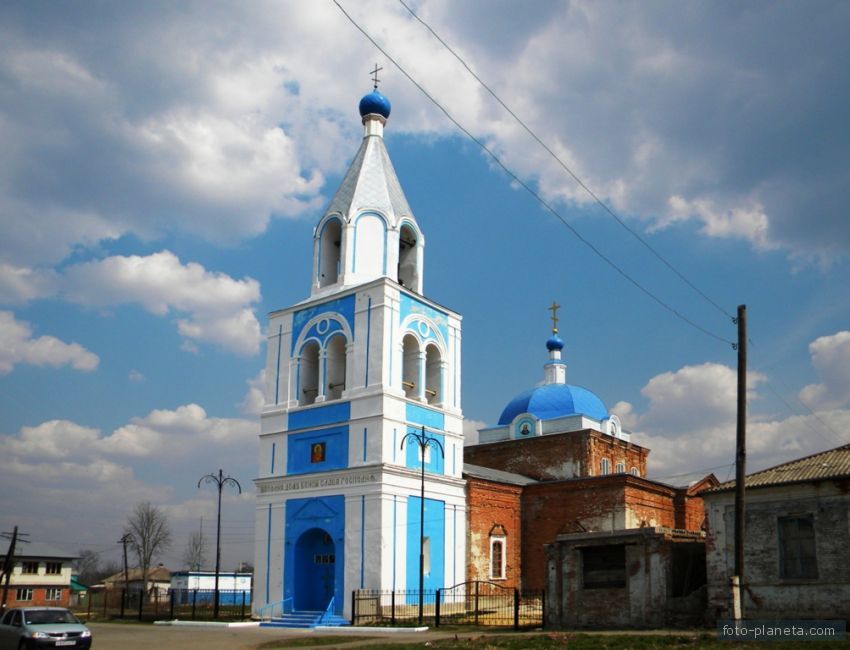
point(424, 441)
point(9, 562)
point(126, 539)
point(740, 467)
point(220, 481)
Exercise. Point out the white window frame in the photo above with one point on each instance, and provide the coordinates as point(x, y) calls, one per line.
point(604, 467)
point(634, 471)
point(23, 594)
point(502, 540)
point(620, 468)
point(53, 593)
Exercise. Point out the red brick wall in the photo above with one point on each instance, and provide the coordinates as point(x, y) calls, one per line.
point(650, 505)
point(493, 504)
point(615, 450)
point(690, 511)
point(559, 507)
point(558, 456)
point(597, 503)
point(39, 597)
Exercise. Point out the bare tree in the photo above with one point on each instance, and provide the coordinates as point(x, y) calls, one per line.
point(150, 535)
point(195, 555)
point(87, 566)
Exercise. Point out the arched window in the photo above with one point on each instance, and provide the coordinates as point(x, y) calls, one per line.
point(604, 467)
point(308, 384)
point(433, 375)
point(330, 252)
point(498, 552)
point(407, 258)
point(621, 468)
point(635, 472)
point(410, 366)
point(335, 367)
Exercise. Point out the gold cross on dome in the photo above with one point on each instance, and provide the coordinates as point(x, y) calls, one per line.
point(554, 309)
point(374, 74)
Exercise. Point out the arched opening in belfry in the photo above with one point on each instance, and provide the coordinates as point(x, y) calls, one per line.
point(408, 252)
point(410, 366)
point(330, 252)
point(433, 375)
point(308, 384)
point(335, 367)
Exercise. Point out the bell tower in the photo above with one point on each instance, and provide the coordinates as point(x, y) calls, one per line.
point(350, 371)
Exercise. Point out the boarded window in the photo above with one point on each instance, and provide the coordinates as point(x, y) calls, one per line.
point(603, 567)
point(797, 556)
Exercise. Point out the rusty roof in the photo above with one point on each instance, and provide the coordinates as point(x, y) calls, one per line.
point(830, 464)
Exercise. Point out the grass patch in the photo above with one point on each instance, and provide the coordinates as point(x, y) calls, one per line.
point(311, 641)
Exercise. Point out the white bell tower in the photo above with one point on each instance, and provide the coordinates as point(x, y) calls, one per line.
point(350, 371)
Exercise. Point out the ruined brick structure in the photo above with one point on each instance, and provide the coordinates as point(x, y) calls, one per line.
point(525, 489)
point(796, 540)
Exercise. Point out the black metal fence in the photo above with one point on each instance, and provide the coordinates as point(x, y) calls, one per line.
point(191, 604)
point(469, 603)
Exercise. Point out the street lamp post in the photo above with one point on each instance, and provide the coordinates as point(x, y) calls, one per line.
point(220, 481)
point(424, 441)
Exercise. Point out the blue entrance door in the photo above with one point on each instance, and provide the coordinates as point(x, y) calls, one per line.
point(315, 565)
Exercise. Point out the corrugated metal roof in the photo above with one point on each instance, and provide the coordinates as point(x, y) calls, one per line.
point(831, 464)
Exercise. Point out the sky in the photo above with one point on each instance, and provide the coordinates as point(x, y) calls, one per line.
point(163, 165)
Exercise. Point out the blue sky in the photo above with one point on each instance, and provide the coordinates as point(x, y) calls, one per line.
point(163, 167)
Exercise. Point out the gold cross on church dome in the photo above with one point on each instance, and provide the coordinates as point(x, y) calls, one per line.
point(374, 74)
point(554, 309)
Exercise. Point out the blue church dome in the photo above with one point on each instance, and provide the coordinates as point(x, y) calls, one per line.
point(375, 102)
point(555, 401)
point(554, 343)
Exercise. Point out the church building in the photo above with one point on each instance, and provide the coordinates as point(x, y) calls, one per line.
point(362, 418)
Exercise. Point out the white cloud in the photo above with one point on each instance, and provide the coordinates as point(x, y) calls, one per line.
point(470, 431)
point(135, 376)
point(709, 390)
point(254, 399)
point(214, 135)
point(218, 305)
point(690, 422)
point(17, 345)
point(831, 358)
point(22, 284)
point(180, 430)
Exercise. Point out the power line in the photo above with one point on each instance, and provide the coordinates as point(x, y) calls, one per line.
point(531, 191)
point(566, 168)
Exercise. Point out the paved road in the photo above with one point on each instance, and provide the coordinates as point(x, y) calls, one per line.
point(130, 636)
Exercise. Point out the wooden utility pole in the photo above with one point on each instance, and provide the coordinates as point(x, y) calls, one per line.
point(9, 562)
point(740, 464)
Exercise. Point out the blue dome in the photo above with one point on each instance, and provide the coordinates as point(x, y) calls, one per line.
point(555, 401)
point(375, 102)
point(554, 343)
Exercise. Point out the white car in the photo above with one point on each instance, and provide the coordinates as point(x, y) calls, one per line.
point(22, 628)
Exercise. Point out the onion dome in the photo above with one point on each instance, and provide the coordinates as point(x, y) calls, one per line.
point(375, 103)
point(552, 401)
point(554, 343)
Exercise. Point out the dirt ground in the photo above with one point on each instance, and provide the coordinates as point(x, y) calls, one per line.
point(129, 636)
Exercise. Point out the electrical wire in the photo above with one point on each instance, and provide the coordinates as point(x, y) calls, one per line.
point(566, 168)
point(531, 191)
